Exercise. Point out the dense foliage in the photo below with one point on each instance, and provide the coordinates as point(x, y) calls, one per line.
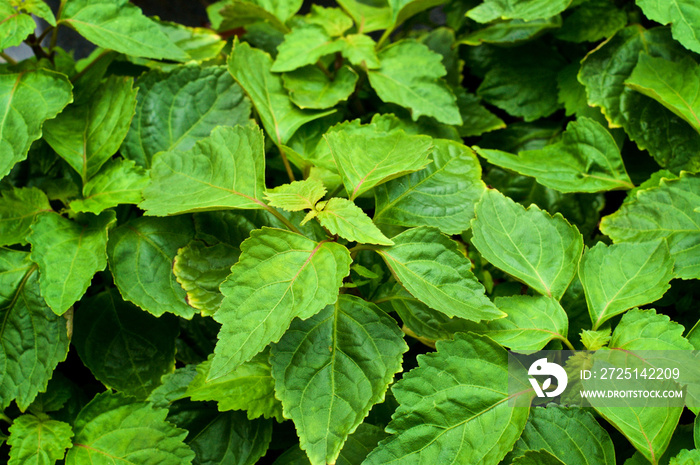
point(311, 234)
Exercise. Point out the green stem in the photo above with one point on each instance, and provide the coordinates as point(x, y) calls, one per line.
point(54, 34)
point(567, 343)
point(5, 418)
point(358, 248)
point(44, 34)
point(8, 58)
point(383, 38)
point(88, 66)
point(287, 166)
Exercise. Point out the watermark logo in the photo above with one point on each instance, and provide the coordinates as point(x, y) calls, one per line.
point(542, 367)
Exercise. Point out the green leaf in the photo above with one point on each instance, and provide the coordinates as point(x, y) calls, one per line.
point(511, 32)
point(310, 87)
point(33, 339)
point(401, 10)
point(359, 49)
point(571, 434)
point(113, 427)
point(39, 441)
point(668, 211)
point(368, 16)
point(431, 267)
point(210, 94)
point(69, 253)
point(124, 347)
point(303, 46)
point(437, 412)
point(673, 85)
point(200, 270)
point(686, 457)
point(223, 171)
point(537, 457)
point(645, 330)
point(333, 20)
point(531, 322)
point(118, 182)
point(228, 437)
point(141, 254)
point(240, 13)
point(684, 16)
point(366, 156)
point(621, 276)
point(594, 340)
point(18, 210)
point(538, 249)
point(572, 94)
point(280, 275)
point(475, 117)
point(251, 68)
point(87, 135)
point(173, 386)
point(410, 76)
point(524, 82)
point(249, 387)
point(197, 42)
point(516, 9)
point(673, 143)
point(441, 195)
point(36, 7)
point(14, 26)
point(586, 159)
point(592, 21)
point(350, 340)
point(121, 26)
point(296, 196)
point(347, 220)
point(59, 391)
point(27, 100)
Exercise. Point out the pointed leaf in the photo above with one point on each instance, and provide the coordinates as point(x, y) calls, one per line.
point(303, 46)
point(141, 254)
point(430, 267)
point(69, 253)
point(119, 181)
point(198, 43)
point(309, 87)
point(368, 17)
point(38, 441)
point(571, 434)
point(516, 9)
point(401, 10)
point(273, 11)
point(18, 210)
point(315, 361)
point(347, 220)
point(684, 15)
point(333, 20)
point(511, 32)
point(87, 135)
point(437, 413)
point(645, 330)
point(224, 171)
point(121, 26)
point(410, 76)
point(669, 211)
point(441, 195)
point(200, 270)
point(531, 322)
point(540, 250)
point(367, 156)
point(33, 339)
point(360, 50)
point(114, 428)
point(296, 196)
point(36, 7)
point(250, 67)
point(674, 144)
point(124, 347)
point(15, 26)
point(673, 85)
point(280, 275)
point(173, 386)
point(210, 94)
point(586, 159)
point(249, 387)
point(621, 276)
point(26, 101)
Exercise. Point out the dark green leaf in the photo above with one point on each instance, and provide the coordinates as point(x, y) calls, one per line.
point(18, 210)
point(517, 9)
point(511, 32)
